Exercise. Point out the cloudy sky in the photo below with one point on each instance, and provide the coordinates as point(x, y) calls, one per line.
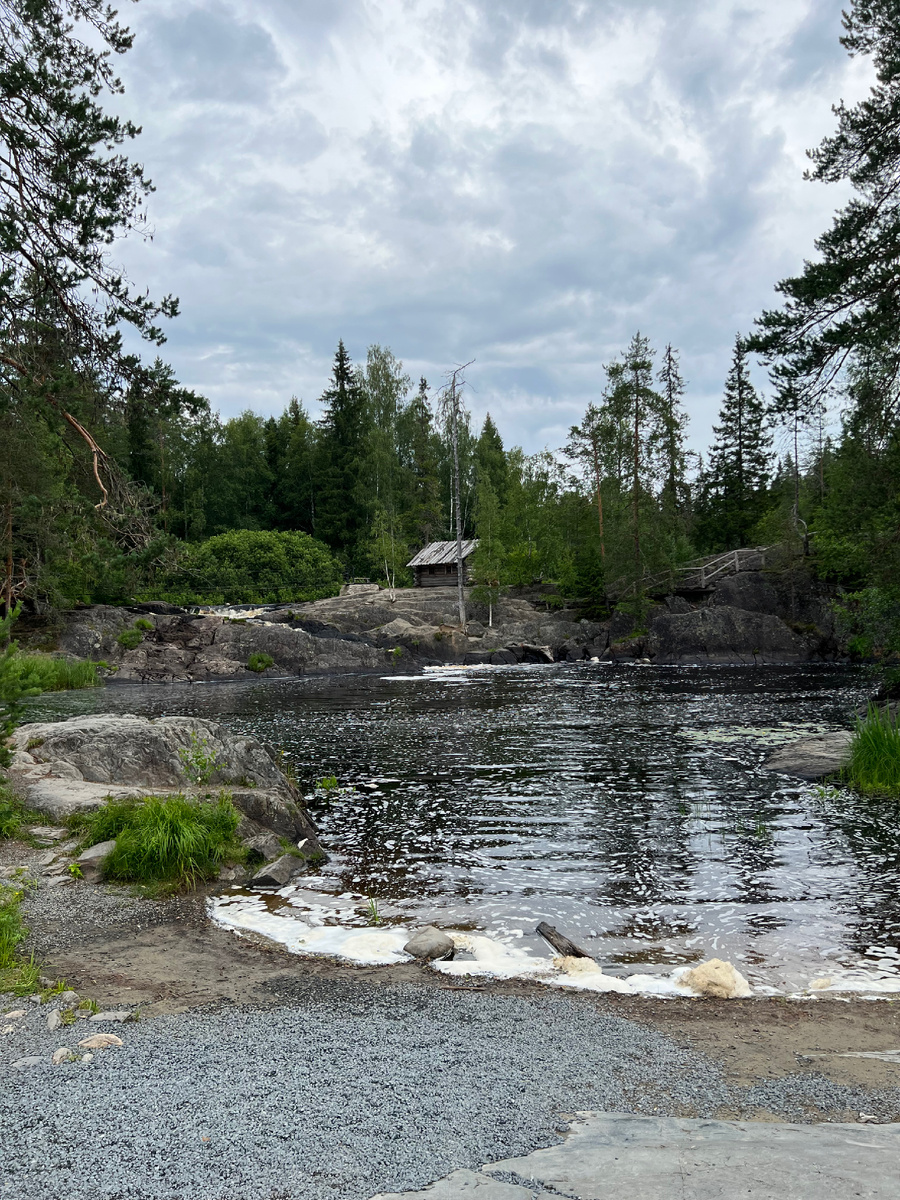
point(522, 182)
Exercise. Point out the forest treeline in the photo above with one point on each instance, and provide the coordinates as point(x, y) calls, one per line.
point(117, 482)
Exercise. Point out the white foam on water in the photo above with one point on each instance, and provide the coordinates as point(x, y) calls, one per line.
point(308, 924)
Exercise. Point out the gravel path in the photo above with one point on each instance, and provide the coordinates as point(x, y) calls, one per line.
point(345, 1091)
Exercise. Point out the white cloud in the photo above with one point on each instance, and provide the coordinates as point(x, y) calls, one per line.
point(522, 181)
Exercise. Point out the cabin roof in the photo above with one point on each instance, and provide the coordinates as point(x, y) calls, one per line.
point(441, 552)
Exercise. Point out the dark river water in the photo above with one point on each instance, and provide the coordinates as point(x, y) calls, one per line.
point(625, 805)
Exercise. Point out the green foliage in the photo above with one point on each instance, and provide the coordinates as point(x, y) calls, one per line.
point(165, 839)
point(200, 764)
point(18, 976)
point(842, 308)
point(130, 639)
point(874, 764)
point(26, 675)
point(260, 662)
point(143, 625)
point(12, 812)
point(869, 621)
point(328, 783)
point(489, 560)
point(246, 566)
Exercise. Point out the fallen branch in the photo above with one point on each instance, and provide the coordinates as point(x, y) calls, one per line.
point(561, 943)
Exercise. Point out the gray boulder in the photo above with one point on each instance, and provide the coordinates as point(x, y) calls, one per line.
point(266, 845)
point(81, 763)
point(812, 757)
point(279, 872)
point(90, 861)
point(430, 944)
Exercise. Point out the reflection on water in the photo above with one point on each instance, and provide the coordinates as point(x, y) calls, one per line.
point(626, 806)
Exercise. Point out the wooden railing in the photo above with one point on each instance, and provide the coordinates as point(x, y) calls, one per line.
point(700, 574)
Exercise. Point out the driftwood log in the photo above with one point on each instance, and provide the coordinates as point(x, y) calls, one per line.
point(560, 942)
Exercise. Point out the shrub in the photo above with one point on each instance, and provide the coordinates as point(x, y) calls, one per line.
point(198, 761)
point(260, 662)
point(874, 765)
point(44, 673)
point(129, 639)
point(143, 624)
point(165, 839)
point(247, 566)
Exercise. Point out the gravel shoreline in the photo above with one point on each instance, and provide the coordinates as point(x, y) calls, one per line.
point(346, 1090)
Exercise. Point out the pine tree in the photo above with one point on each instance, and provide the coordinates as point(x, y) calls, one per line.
point(734, 487)
point(844, 304)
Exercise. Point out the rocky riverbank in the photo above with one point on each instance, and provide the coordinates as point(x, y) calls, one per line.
point(752, 618)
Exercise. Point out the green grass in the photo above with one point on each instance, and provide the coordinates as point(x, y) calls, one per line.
point(172, 840)
point(18, 976)
point(874, 764)
point(130, 639)
point(260, 662)
point(12, 813)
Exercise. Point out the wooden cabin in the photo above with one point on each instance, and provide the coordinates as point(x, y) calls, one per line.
point(435, 565)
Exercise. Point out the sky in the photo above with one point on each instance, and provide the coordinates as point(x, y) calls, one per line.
point(525, 183)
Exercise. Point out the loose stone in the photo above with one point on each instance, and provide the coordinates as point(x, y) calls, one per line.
point(31, 1060)
point(61, 1055)
point(279, 872)
point(67, 999)
point(54, 1020)
point(15, 1015)
point(91, 861)
point(100, 1041)
point(87, 1058)
point(430, 944)
point(9, 1028)
point(111, 1016)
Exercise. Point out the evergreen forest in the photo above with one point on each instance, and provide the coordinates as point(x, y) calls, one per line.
point(117, 482)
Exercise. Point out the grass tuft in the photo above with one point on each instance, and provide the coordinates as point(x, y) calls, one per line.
point(874, 764)
point(164, 839)
point(12, 813)
point(18, 976)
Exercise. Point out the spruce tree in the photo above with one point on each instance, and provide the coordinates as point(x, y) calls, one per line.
point(490, 459)
point(734, 487)
point(420, 455)
point(671, 443)
point(340, 514)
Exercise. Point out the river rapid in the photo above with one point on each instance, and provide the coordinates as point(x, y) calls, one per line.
point(626, 805)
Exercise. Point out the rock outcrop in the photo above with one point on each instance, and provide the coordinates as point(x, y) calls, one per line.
point(753, 617)
point(63, 766)
point(722, 634)
point(812, 757)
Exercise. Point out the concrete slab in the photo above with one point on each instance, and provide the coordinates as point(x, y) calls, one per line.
point(611, 1156)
